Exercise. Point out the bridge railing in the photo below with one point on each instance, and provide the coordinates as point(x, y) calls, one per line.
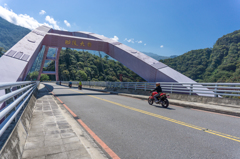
point(203, 89)
point(17, 94)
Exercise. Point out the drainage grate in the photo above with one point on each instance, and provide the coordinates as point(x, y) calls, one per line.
point(25, 57)
point(10, 53)
point(18, 55)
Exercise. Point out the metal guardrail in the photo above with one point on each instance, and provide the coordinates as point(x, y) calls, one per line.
point(20, 92)
point(202, 89)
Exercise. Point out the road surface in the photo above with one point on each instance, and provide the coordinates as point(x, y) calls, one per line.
point(133, 129)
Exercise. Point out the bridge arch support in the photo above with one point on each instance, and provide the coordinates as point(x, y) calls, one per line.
point(17, 61)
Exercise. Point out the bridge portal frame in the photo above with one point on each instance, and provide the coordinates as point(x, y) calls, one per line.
point(17, 62)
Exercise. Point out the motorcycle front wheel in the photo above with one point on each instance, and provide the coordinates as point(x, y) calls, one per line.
point(165, 103)
point(150, 101)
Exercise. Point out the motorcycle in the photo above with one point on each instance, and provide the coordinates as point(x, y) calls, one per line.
point(70, 85)
point(162, 99)
point(80, 87)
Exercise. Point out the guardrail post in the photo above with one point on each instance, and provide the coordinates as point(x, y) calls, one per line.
point(215, 90)
point(145, 86)
point(11, 89)
point(171, 88)
point(121, 85)
point(191, 87)
point(127, 85)
point(135, 86)
point(114, 85)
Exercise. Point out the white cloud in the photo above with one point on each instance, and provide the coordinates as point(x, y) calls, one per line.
point(145, 44)
point(115, 38)
point(132, 41)
point(129, 40)
point(161, 46)
point(25, 20)
point(42, 12)
point(53, 22)
point(67, 24)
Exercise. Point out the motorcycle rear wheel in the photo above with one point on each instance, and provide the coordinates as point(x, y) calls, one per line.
point(150, 101)
point(165, 103)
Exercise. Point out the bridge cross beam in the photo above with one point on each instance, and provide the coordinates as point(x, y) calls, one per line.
point(56, 59)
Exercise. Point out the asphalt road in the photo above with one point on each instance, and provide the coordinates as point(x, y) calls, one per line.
point(133, 129)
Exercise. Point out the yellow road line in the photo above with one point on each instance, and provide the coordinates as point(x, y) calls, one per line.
point(234, 138)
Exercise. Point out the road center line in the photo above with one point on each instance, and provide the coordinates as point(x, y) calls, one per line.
point(234, 138)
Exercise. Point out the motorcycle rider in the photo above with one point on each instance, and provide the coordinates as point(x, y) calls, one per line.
point(70, 83)
point(80, 85)
point(159, 91)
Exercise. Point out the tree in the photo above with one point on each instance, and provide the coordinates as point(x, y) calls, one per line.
point(82, 75)
point(106, 57)
point(79, 65)
point(2, 51)
point(44, 77)
point(65, 74)
point(32, 76)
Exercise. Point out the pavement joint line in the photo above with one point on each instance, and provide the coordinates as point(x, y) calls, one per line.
point(234, 138)
point(94, 136)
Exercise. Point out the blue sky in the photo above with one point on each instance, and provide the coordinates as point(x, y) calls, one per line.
point(163, 27)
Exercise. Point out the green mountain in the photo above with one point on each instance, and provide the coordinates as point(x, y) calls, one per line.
point(10, 34)
point(218, 64)
point(79, 65)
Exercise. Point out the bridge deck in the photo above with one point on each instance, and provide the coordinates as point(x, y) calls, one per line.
point(132, 128)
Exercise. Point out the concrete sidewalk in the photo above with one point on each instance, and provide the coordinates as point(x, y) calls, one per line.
point(54, 133)
point(232, 110)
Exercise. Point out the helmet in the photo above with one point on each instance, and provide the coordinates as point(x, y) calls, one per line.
point(157, 84)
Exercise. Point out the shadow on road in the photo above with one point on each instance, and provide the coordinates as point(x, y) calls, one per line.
point(82, 94)
point(49, 87)
point(62, 88)
point(158, 106)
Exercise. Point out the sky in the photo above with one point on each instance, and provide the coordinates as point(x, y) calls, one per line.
point(163, 27)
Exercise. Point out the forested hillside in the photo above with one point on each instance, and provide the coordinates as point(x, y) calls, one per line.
point(10, 34)
point(2, 51)
point(79, 65)
point(218, 64)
